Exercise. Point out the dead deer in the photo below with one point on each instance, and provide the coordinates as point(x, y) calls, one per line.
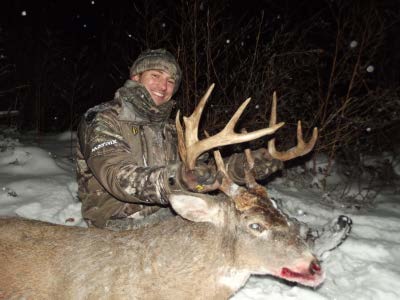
point(208, 251)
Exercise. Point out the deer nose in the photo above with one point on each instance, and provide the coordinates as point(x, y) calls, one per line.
point(315, 267)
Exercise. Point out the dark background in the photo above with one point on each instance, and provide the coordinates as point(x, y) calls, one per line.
point(63, 57)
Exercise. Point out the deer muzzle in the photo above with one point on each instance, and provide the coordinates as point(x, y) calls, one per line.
point(307, 274)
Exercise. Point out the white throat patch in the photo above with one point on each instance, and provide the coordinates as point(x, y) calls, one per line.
point(234, 279)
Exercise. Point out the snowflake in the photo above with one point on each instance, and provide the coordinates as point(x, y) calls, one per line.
point(370, 69)
point(228, 41)
point(353, 44)
point(23, 13)
point(92, 2)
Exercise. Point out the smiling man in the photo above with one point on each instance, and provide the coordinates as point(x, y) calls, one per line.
point(127, 157)
point(126, 152)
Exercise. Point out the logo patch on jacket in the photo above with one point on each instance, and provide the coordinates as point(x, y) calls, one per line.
point(104, 144)
point(135, 130)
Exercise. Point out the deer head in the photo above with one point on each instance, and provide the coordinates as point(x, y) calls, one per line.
point(267, 240)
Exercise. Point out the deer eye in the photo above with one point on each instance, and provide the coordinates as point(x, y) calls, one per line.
point(256, 226)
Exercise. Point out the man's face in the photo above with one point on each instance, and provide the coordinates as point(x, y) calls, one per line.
point(158, 83)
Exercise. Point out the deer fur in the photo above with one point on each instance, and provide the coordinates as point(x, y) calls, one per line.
point(208, 251)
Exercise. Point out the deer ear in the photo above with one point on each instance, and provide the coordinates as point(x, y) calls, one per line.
point(199, 208)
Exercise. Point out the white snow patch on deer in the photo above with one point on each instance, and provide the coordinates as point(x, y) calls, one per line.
point(37, 181)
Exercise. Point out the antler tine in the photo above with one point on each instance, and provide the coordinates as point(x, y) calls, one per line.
point(248, 155)
point(181, 138)
point(190, 136)
point(250, 180)
point(301, 148)
point(242, 197)
point(227, 186)
point(232, 122)
point(192, 122)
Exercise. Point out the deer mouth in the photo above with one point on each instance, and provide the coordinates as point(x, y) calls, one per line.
point(313, 276)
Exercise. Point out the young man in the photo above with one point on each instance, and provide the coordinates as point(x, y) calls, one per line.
point(127, 158)
point(126, 147)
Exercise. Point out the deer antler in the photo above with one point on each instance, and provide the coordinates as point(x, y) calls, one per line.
point(190, 148)
point(301, 149)
point(242, 197)
point(250, 180)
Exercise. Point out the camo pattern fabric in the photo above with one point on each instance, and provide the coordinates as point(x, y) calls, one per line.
point(125, 158)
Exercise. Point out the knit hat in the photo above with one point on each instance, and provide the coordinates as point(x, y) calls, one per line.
point(159, 59)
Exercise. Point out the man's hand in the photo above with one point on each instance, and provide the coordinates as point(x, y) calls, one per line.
point(202, 179)
point(264, 165)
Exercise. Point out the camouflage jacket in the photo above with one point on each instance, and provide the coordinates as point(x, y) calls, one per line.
point(126, 156)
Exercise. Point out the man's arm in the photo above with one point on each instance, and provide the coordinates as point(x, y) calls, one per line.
point(110, 159)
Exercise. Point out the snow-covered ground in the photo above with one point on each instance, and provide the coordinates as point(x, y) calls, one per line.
point(37, 181)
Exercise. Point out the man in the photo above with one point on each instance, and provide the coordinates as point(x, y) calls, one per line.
point(127, 161)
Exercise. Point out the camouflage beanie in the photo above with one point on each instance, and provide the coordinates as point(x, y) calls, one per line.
point(159, 59)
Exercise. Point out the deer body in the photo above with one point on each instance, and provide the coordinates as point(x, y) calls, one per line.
point(207, 252)
point(43, 261)
point(208, 257)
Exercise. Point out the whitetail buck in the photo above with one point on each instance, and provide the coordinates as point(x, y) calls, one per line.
point(208, 251)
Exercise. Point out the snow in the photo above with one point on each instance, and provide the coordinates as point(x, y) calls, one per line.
point(37, 181)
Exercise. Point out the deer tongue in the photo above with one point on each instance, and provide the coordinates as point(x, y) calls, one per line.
point(312, 277)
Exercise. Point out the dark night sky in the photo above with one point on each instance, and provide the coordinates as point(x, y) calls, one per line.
point(90, 16)
point(109, 28)
point(85, 17)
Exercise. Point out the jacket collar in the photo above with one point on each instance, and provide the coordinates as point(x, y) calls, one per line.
point(138, 106)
